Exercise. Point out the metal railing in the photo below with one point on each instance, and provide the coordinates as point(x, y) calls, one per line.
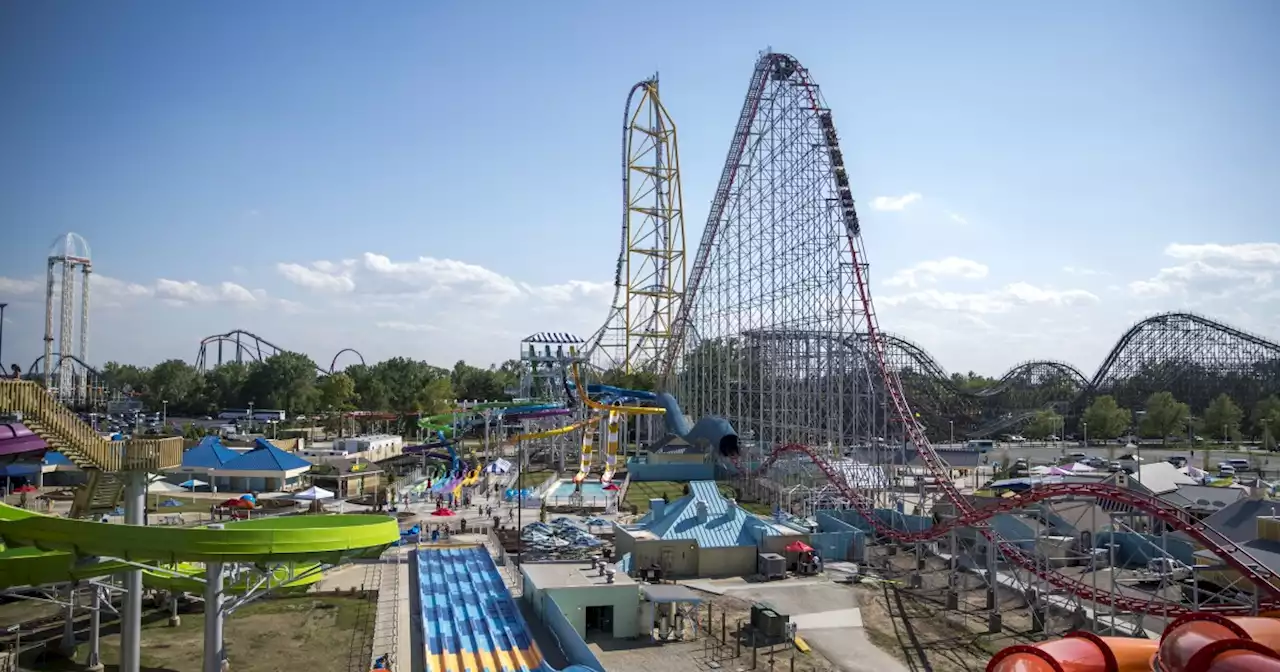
point(66, 432)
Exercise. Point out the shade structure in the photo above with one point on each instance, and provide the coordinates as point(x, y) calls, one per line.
point(798, 547)
point(193, 483)
point(312, 494)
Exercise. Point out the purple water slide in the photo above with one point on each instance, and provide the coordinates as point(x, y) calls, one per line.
point(539, 414)
point(17, 440)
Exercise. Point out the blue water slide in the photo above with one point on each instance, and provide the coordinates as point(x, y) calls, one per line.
point(642, 395)
point(711, 432)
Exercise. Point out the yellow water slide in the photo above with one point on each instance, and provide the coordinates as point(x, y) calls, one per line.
point(588, 453)
point(611, 447)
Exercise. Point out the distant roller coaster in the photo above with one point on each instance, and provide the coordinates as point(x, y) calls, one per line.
point(1194, 357)
point(246, 345)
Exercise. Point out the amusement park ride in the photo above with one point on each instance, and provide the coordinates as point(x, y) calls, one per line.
point(773, 340)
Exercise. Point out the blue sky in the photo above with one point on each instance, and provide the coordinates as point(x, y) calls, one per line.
point(210, 143)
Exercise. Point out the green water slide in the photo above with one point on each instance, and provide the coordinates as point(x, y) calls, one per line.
point(42, 549)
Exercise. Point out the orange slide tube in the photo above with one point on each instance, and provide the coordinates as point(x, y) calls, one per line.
point(1078, 652)
point(1212, 643)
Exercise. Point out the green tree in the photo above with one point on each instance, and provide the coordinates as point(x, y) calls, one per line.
point(470, 382)
point(1165, 415)
point(1222, 418)
point(337, 392)
point(1105, 418)
point(286, 381)
point(176, 382)
point(1266, 421)
point(1044, 424)
point(225, 385)
point(125, 377)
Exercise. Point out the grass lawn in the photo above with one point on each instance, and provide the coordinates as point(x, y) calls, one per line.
point(639, 493)
point(189, 504)
point(316, 634)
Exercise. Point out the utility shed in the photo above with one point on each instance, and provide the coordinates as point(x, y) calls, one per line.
point(591, 600)
point(699, 535)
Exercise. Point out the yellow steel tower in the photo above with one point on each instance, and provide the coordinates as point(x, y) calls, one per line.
point(649, 280)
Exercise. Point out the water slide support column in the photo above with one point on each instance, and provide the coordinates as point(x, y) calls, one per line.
point(135, 511)
point(94, 662)
point(214, 615)
point(68, 644)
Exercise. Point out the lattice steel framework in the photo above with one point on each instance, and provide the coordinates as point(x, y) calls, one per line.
point(774, 258)
point(650, 276)
point(779, 334)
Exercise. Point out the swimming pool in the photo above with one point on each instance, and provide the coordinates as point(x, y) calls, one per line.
point(589, 489)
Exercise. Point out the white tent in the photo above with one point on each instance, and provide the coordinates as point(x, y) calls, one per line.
point(161, 487)
point(498, 466)
point(312, 494)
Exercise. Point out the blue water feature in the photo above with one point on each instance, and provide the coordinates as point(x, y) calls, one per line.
point(589, 489)
point(470, 621)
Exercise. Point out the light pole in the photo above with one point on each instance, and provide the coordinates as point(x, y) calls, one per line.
point(164, 413)
point(251, 417)
point(2, 307)
point(952, 425)
point(1085, 425)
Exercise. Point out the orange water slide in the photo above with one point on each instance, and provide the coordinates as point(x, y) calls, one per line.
point(1213, 643)
point(1193, 643)
point(1078, 652)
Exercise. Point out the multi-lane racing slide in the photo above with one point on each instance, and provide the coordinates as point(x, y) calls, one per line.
point(44, 549)
point(467, 620)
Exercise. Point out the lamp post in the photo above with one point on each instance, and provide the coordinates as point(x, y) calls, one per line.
point(164, 413)
point(2, 307)
point(251, 417)
point(952, 425)
point(1085, 425)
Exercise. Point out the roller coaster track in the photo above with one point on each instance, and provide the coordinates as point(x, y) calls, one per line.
point(1084, 385)
point(782, 67)
point(1175, 518)
point(257, 348)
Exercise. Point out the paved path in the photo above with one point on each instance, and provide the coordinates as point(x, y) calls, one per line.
point(826, 615)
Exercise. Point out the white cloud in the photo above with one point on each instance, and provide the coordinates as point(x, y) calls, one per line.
point(957, 218)
point(443, 281)
point(931, 271)
point(895, 203)
point(407, 326)
point(19, 287)
point(999, 301)
point(321, 279)
point(1214, 271)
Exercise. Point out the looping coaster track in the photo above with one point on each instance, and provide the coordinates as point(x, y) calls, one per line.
point(778, 333)
point(254, 348)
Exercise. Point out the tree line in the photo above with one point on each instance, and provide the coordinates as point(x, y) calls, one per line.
point(291, 382)
point(1164, 417)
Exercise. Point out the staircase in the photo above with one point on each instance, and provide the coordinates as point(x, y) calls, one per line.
point(100, 458)
point(100, 495)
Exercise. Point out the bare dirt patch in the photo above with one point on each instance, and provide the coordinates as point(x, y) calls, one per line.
point(316, 634)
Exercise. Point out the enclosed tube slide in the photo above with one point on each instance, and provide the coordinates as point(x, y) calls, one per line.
point(1077, 652)
point(711, 432)
point(584, 464)
point(1192, 643)
point(611, 448)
